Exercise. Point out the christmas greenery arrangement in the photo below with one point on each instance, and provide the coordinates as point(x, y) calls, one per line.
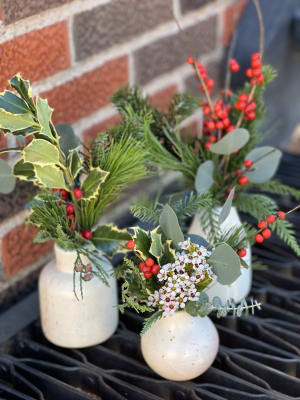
point(226, 155)
point(75, 186)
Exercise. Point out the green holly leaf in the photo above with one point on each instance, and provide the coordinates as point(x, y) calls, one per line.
point(68, 140)
point(15, 122)
point(169, 254)
point(108, 238)
point(204, 177)
point(23, 88)
point(74, 162)
point(169, 224)
point(225, 264)
point(41, 152)
point(12, 103)
point(44, 113)
point(24, 171)
point(7, 180)
point(92, 182)
point(142, 242)
point(266, 160)
point(50, 176)
point(226, 208)
point(156, 248)
point(231, 142)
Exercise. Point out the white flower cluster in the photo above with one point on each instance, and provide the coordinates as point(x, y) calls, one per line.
point(182, 278)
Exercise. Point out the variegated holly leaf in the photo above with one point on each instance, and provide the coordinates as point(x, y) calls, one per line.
point(156, 247)
point(10, 122)
point(24, 171)
point(231, 142)
point(142, 242)
point(169, 254)
point(23, 88)
point(7, 179)
point(74, 162)
point(169, 224)
point(12, 103)
point(44, 113)
point(92, 182)
point(108, 238)
point(225, 264)
point(68, 140)
point(50, 176)
point(41, 152)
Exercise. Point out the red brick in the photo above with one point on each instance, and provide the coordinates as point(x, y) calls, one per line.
point(91, 133)
point(230, 19)
point(3, 144)
point(161, 99)
point(36, 55)
point(18, 249)
point(84, 95)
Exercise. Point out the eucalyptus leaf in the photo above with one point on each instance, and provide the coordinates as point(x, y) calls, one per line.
point(156, 248)
point(41, 152)
point(68, 140)
point(198, 240)
point(225, 264)
point(15, 122)
point(231, 142)
point(204, 177)
point(227, 207)
point(44, 113)
point(268, 161)
point(24, 171)
point(12, 103)
point(50, 176)
point(169, 224)
point(7, 180)
point(92, 182)
point(108, 238)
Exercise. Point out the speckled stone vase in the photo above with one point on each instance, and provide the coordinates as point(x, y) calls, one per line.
point(241, 287)
point(72, 323)
point(180, 347)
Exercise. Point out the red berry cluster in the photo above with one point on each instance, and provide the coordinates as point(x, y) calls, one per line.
point(245, 103)
point(149, 268)
point(242, 179)
point(255, 72)
point(234, 65)
point(264, 231)
point(209, 83)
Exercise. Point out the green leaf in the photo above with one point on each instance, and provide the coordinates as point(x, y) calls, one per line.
point(264, 169)
point(232, 141)
point(74, 162)
point(169, 254)
point(148, 322)
point(23, 88)
point(108, 238)
point(12, 103)
point(68, 140)
point(169, 224)
point(156, 248)
point(15, 122)
point(44, 113)
point(40, 152)
point(226, 264)
point(226, 208)
point(142, 242)
point(198, 240)
point(24, 171)
point(7, 180)
point(199, 308)
point(93, 182)
point(204, 177)
point(50, 176)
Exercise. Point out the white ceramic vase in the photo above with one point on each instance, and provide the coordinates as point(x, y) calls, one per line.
point(242, 286)
point(72, 323)
point(180, 347)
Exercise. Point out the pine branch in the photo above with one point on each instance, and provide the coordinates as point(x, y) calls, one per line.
point(275, 186)
point(146, 211)
point(148, 322)
point(285, 230)
point(257, 205)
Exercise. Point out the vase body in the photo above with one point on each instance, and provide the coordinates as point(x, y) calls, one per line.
point(71, 322)
point(242, 286)
point(180, 347)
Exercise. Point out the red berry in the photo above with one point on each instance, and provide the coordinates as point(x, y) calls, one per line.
point(211, 125)
point(243, 180)
point(249, 73)
point(248, 163)
point(242, 252)
point(262, 224)
point(252, 81)
point(148, 275)
point(251, 116)
point(87, 234)
point(234, 65)
point(142, 266)
point(266, 233)
point(230, 128)
point(190, 60)
point(149, 262)
point(219, 125)
point(71, 217)
point(155, 269)
point(226, 122)
point(210, 83)
point(206, 110)
point(63, 194)
point(256, 72)
point(237, 172)
point(261, 79)
point(78, 193)
point(130, 245)
point(221, 114)
point(70, 209)
point(241, 105)
point(259, 238)
point(207, 145)
point(255, 56)
point(212, 138)
point(55, 190)
point(281, 215)
point(243, 97)
point(270, 218)
point(60, 203)
point(256, 63)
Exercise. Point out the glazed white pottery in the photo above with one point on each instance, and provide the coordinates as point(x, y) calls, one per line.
point(180, 347)
point(241, 287)
point(72, 323)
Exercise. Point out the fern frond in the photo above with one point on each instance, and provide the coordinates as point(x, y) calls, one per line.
point(275, 186)
point(285, 230)
point(188, 205)
point(257, 205)
point(148, 322)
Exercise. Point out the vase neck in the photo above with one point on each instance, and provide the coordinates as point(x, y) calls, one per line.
point(65, 260)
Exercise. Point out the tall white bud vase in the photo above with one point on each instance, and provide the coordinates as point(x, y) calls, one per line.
point(180, 347)
point(242, 286)
point(72, 323)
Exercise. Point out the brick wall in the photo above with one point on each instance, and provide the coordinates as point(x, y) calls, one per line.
point(77, 53)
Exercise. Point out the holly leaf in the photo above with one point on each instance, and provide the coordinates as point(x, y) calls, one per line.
point(24, 171)
point(266, 160)
point(92, 182)
point(142, 242)
point(169, 224)
point(74, 162)
point(44, 113)
point(68, 140)
point(225, 264)
point(169, 254)
point(226, 208)
point(204, 178)
point(108, 238)
point(41, 152)
point(7, 180)
point(23, 88)
point(50, 176)
point(15, 122)
point(231, 142)
point(156, 247)
point(12, 103)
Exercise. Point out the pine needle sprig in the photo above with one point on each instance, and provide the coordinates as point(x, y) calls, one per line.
point(277, 187)
point(285, 230)
point(257, 205)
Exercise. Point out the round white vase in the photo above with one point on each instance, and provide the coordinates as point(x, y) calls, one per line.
point(242, 286)
point(72, 323)
point(180, 347)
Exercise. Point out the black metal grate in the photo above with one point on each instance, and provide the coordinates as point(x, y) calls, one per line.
point(259, 356)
